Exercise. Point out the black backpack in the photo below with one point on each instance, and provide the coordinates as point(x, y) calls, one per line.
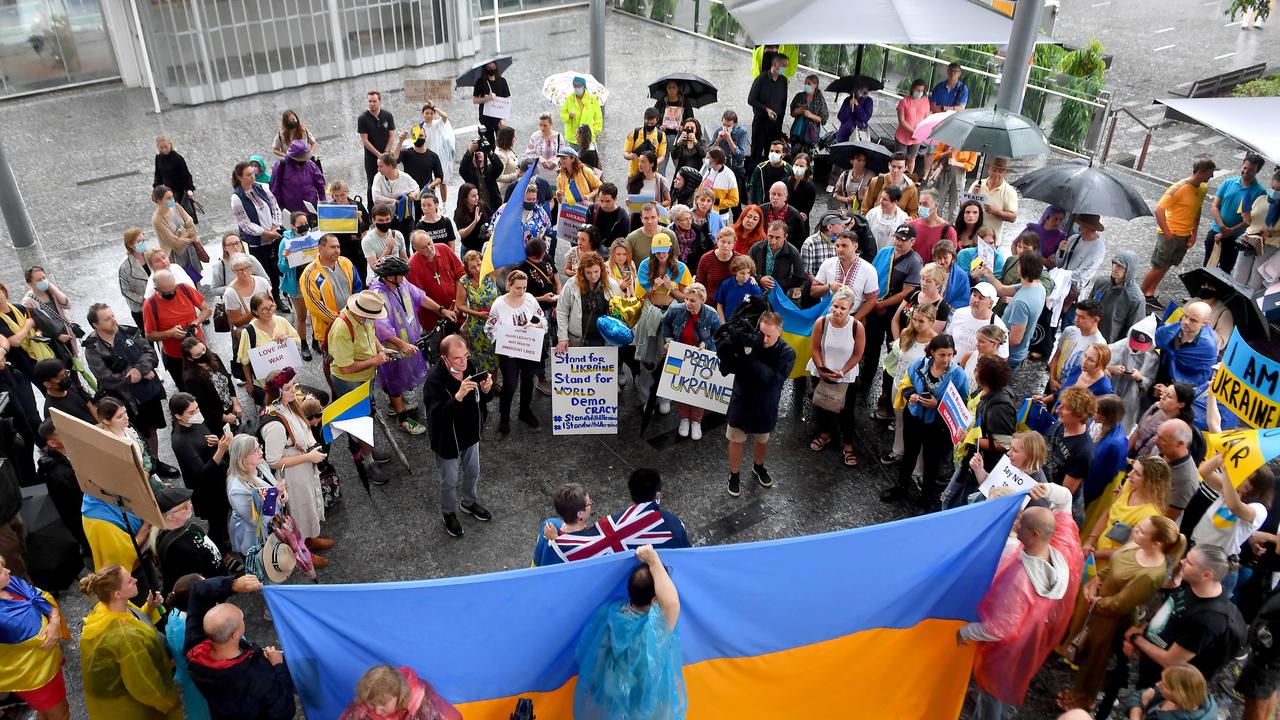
point(1237, 634)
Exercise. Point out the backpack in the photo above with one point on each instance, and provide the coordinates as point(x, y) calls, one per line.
point(155, 307)
point(1237, 634)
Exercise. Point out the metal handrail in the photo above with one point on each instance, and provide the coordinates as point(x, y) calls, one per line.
point(1114, 118)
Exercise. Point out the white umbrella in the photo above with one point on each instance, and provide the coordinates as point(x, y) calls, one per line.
point(560, 86)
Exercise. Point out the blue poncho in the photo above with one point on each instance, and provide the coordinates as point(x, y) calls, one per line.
point(628, 666)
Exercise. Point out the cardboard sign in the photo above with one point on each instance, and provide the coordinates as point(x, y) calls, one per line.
point(273, 357)
point(1248, 383)
point(955, 412)
point(421, 91)
point(584, 391)
point(107, 467)
point(692, 376)
point(523, 342)
point(571, 218)
point(498, 108)
point(1004, 474)
point(301, 251)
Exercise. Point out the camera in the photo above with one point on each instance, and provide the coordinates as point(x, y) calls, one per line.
point(482, 143)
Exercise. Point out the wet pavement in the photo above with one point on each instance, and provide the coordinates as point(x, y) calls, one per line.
point(84, 162)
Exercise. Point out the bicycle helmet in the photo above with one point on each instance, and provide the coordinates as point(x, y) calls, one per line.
point(391, 265)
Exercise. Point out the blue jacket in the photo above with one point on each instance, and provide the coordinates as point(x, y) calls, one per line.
point(677, 315)
point(954, 376)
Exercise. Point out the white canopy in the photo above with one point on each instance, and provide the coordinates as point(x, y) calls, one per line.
point(917, 22)
point(1250, 121)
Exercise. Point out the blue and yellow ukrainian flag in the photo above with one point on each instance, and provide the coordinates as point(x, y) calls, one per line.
point(852, 624)
point(506, 244)
point(337, 219)
point(797, 326)
point(351, 406)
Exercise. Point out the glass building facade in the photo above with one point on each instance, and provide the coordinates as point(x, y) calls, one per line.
point(46, 44)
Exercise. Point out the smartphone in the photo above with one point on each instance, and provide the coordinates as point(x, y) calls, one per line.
point(269, 501)
point(1124, 370)
point(926, 396)
point(479, 377)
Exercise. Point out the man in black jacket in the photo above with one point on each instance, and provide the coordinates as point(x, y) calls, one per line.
point(55, 471)
point(237, 678)
point(760, 365)
point(778, 262)
point(183, 547)
point(768, 101)
point(453, 395)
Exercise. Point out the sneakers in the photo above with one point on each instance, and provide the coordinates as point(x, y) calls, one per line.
point(528, 418)
point(451, 524)
point(543, 386)
point(664, 406)
point(305, 351)
point(762, 476)
point(695, 430)
point(735, 485)
point(894, 493)
point(477, 511)
point(683, 430)
point(411, 426)
point(890, 458)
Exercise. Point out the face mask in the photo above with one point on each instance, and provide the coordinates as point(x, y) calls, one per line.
point(196, 419)
point(302, 229)
point(170, 203)
point(650, 126)
point(808, 89)
point(798, 171)
point(860, 93)
point(169, 295)
point(42, 285)
point(291, 124)
point(924, 212)
point(529, 205)
point(775, 158)
point(917, 94)
point(65, 384)
point(203, 359)
point(579, 91)
point(141, 247)
point(382, 226)
point(1273, 193)
point(420, 143)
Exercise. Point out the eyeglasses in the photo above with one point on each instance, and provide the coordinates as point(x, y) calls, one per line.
point(315, 416)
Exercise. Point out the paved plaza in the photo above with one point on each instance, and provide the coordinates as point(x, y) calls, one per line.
point(83, 159)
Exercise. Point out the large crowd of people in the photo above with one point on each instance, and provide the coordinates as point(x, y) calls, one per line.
point(929, 290)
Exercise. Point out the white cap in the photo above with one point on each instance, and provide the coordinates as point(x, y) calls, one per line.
point(986, 289)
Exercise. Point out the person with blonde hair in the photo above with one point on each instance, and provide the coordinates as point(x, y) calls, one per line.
point(905, 349)
point(125, 668)
point(385, 692)
point(988, 341)
point(1027, 452)
point(692, 323)
point(133, 273)
point(30, 655)
point(476, 294)
point(1144, 494)
point(1106, 604)
point(248, 478)
point(838, 340)
point(1181, 694)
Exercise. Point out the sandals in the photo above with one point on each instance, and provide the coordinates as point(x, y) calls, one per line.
point(819, 442)
point(850, 460)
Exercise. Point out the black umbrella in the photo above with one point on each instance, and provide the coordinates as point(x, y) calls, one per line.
point(1238, 298)
point(469, 78)
point(53, 555)
point(697, 91)
point(1078, 187)
point(849, 83)
point(877, 155)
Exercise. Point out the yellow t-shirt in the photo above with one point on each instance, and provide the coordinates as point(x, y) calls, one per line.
point(349, 343)
point(1181, 204)
point(585, 180)
point(283, 329)
point(1122, 511)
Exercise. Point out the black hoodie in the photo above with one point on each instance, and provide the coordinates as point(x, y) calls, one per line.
point(453, 426)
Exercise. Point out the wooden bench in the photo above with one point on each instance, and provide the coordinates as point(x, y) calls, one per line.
point(1217, 85)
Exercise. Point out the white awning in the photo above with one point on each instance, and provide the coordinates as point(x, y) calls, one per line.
point(916, 22)
point(1251, 121)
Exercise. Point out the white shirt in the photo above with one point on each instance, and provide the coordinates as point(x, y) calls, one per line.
point(963, 328)
point(1071, 347)
point(232, 299)
point(837, 348)
point(389, 191)
point(1221, 528)
point(1004, 198)
point(882, 226)
point(861, 278)
point(1083, 259)
point(178, 274)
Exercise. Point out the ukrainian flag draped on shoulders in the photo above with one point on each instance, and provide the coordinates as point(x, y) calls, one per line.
point(506, 244)
point(797, 326)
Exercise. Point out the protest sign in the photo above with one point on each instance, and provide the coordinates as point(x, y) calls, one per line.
point(1245, 450)
point(498, 108)
point(987, 254)
point(584, 391)
point(107, 466)
point(337, 219)
point(973, 196)
point(523, 342)
point(434, 91)
point(692, 376)
point(302, 250)
point(273, 357)
point(955, 413)
point(571, 218)
point(1248, 384)
point(1004, 474)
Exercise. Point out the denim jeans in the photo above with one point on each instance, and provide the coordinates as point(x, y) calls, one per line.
point(468, 462)
point(986, 707)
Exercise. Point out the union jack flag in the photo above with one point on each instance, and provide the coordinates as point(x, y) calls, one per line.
point(632, 528)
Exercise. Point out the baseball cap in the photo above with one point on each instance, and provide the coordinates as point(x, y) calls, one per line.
point(986, 289)
point(834, 217)
point(905, 231)
point(660, 243)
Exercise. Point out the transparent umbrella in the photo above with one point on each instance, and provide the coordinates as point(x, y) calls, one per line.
point(560, 86)
point(992, 131)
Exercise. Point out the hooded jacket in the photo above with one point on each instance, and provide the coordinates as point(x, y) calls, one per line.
point(452, 426)
point(1123, 303)
point(125, 668)
point(246, 687)
point(294, 183)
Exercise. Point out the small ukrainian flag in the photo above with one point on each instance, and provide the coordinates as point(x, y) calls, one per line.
point(673, 365)
point(337, 219)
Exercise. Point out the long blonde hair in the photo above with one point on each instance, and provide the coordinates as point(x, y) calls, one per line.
point(908, 337)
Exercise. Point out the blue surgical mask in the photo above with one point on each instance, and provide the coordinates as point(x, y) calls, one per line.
point(924, 212)
point(170, 203)
point(1273, 193)
point(579, 91)
point(809, 89)
point(917, 94)
point(42, 285)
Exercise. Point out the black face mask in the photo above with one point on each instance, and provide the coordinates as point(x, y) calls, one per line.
point(650, 126)
point(65, 384)
point(529, 205)
point(420, 143)
point(382, 226)
point(203, 359)
point(291, 124)
point(302, 229)
point(169, 295)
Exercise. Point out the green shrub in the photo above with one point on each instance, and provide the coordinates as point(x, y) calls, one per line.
point(1262, 87)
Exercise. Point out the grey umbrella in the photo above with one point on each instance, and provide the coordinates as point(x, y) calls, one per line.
point(992, 131)
point(1078, 187)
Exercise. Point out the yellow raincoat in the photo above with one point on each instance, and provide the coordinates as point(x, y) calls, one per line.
point(126, 670)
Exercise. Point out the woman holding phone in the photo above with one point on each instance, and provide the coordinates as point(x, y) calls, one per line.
point(290, 450)
point(200, 453)
point(248, 481)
